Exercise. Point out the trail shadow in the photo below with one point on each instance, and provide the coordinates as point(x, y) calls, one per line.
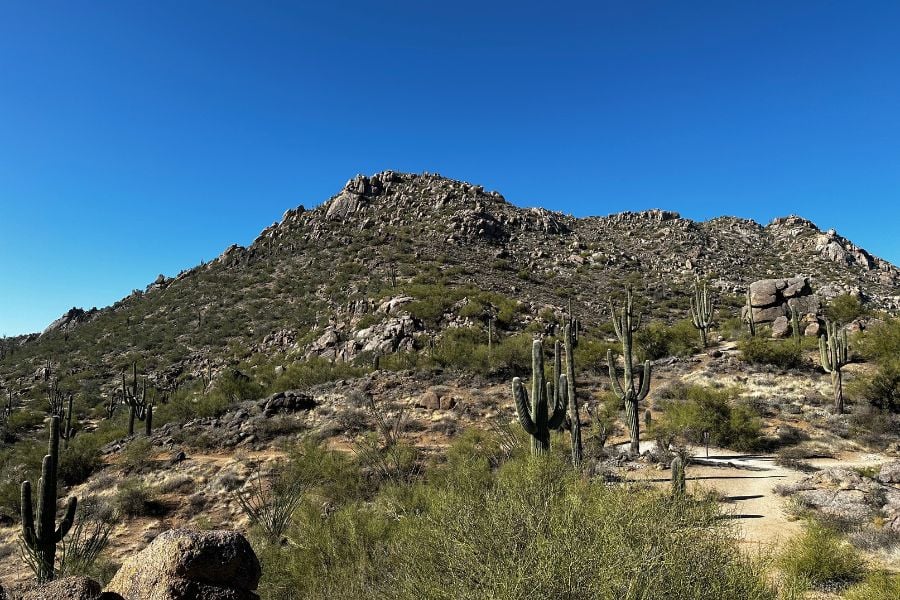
point(736, 457)
point(717, 477)
point(739, 498)
point(729, 517)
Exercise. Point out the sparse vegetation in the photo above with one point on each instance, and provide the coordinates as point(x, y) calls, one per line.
point(819, 556)
point(778, 353)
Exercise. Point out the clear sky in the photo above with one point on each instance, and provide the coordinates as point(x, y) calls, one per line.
point(139, 138)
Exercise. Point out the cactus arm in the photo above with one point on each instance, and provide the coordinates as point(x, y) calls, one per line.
point(823, 355)
point(28, 533)
point(559, 408)
point(613, 377)
point(67, 520)
point(644, 385)
point(522, 410)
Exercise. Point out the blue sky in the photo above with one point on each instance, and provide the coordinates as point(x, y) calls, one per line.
point(139, 138)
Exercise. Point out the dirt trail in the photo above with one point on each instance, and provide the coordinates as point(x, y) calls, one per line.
point(747, 485)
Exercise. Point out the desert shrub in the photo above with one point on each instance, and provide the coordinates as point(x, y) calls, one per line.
point(326, 474)
point(134, 498)
point(882, 389)
point(877, 586)
point(528, 526)
point(136, 454)
point(81, 548)
point(24, 419)
point(590, 355)
point(882, 342)
point(780, 353)
point(235, 386)
point(658, 340)
point(690, 410)
point(270, 505)
point(820, 556)
point(314, 371)
point(844, 308)
point(80, 460)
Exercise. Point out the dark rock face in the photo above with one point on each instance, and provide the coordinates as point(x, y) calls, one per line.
point(181, 564)
point(287, 402)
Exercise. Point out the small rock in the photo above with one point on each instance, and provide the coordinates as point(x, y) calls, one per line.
point(890, 472)
point(781, 327)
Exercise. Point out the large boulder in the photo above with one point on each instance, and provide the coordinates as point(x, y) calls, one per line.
point(890, 472)
point(772, 298)
point(67, 588)
point(190, 565)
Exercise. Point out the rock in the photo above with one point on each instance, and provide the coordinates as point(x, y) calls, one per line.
point(781, 327)
point(770, 298)
point(2, 593)
point(67, 588)
point(429, 400)
point(813, 330)
point(190, 565)
point(283, 402)
point(890, 472)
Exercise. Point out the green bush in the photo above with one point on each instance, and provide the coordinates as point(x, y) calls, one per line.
point(780, 353)
point(881, 343)
point(690, 410)
point(314, 371)
point(80, 460)
point(877, 586)
point(844, 309)
point(658, 340)
point(820, 556)
point(881, 389)
point(526, 528)
point(134, 498)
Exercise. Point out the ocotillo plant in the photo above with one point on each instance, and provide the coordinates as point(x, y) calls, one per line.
point(536, 418)
point(630, 392)
point(748, 318)
point(702, 311)
point(834, 352)
point(567, 383)
point(679, 485)
point(40, 535)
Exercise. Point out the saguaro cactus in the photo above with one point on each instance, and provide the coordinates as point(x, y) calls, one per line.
point(795, 321)
point(748, 317)
point(40, 534)
point(679, 486)
point(536, 418)
point(567, 386)
point(702, 310)
point(834, 352)
point(630, 392)
point(140, 408)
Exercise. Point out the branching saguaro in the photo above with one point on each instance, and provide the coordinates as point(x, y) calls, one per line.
point(39, 532)
point(536, 417)
point(834, 353)
point(140, 408)
point(630, 391)
point(702, 310)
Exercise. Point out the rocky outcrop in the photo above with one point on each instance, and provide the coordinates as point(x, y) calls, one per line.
point(190, 565)
point(73, 317)
point(771, 298)
point(287, 402)
point(846, 495)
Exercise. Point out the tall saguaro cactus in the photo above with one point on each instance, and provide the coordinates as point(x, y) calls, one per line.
point(139, 407)
point(536, 417)
point(702, 310)
point(834, 352)
point(567, 383)
point(679, 486)
point(39, 531)
point(629, 391)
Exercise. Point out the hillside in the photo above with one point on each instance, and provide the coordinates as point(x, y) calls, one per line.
point(307, 283)
point(364, 350)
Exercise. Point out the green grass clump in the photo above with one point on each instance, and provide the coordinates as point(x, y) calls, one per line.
point(877, 586)
point(820, 556)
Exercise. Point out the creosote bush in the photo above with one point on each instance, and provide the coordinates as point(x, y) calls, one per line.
point(779, 353)
point(480, 525)
point(658, 340)
point(690, 410)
